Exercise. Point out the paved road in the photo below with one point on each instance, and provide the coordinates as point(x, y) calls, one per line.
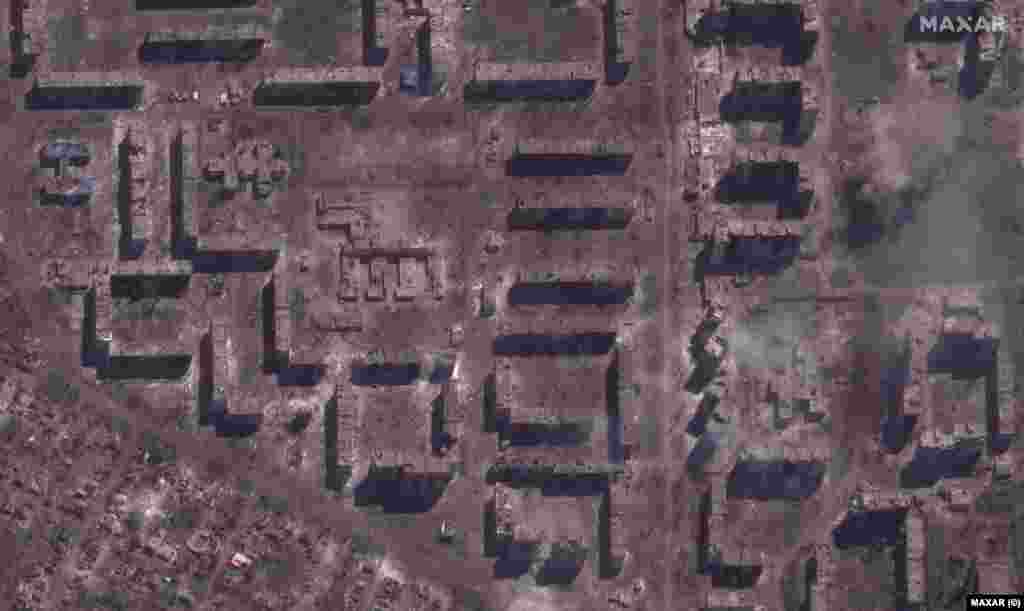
point(670, 73)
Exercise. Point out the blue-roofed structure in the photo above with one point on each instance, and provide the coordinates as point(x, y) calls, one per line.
point(881, 527)
point(294, 374)
point(556, 219)
point(617, 72)
point(702, 453)
point(749, 254)
point(375, 56)
point(418, 79)
point(775, 25)
point(759, 181)
point(83, 97)
point(562, 565)
point(411, 81)
point(226, 262)
point(529, 434)
point(1001, 442)
point(931, 464)
point(159, 51)
point(776, 182)
point(79, 194)
point(396, 490)
point(384, 374)
point(766, 480)
point(964, 356)
point(896, 431)
point(67, 151)
point(894, 377)
point(226, 424)
point(979, 64)
point(442, 371)
point(238, 425)
point(514, 559)
point(762, 101)
point(771, 25)
point(568, 293)
point(767, 24)
point(554, 165)
point(86, 186)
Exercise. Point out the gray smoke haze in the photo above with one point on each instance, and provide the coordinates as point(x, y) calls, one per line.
point(910, 141)
point(944, 180)
point(767, 337)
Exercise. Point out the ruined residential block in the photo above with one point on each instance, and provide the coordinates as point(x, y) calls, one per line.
point(85, 91)
point(377, 291)
point(732, 599)
point(806, 453)
point(221, 343)
point(962, 325)
point(875, 500)
point(217, 168)
point(435, 276)
point(962, 300)
point(491, 71)
point(324, 75)
point(278, 169)
point(412, 278)
point(343, 318)
point(315, 93)
point(284, 329)
point(352, 220)
point(961, 499)
point(104, 312)
point(350, 280)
